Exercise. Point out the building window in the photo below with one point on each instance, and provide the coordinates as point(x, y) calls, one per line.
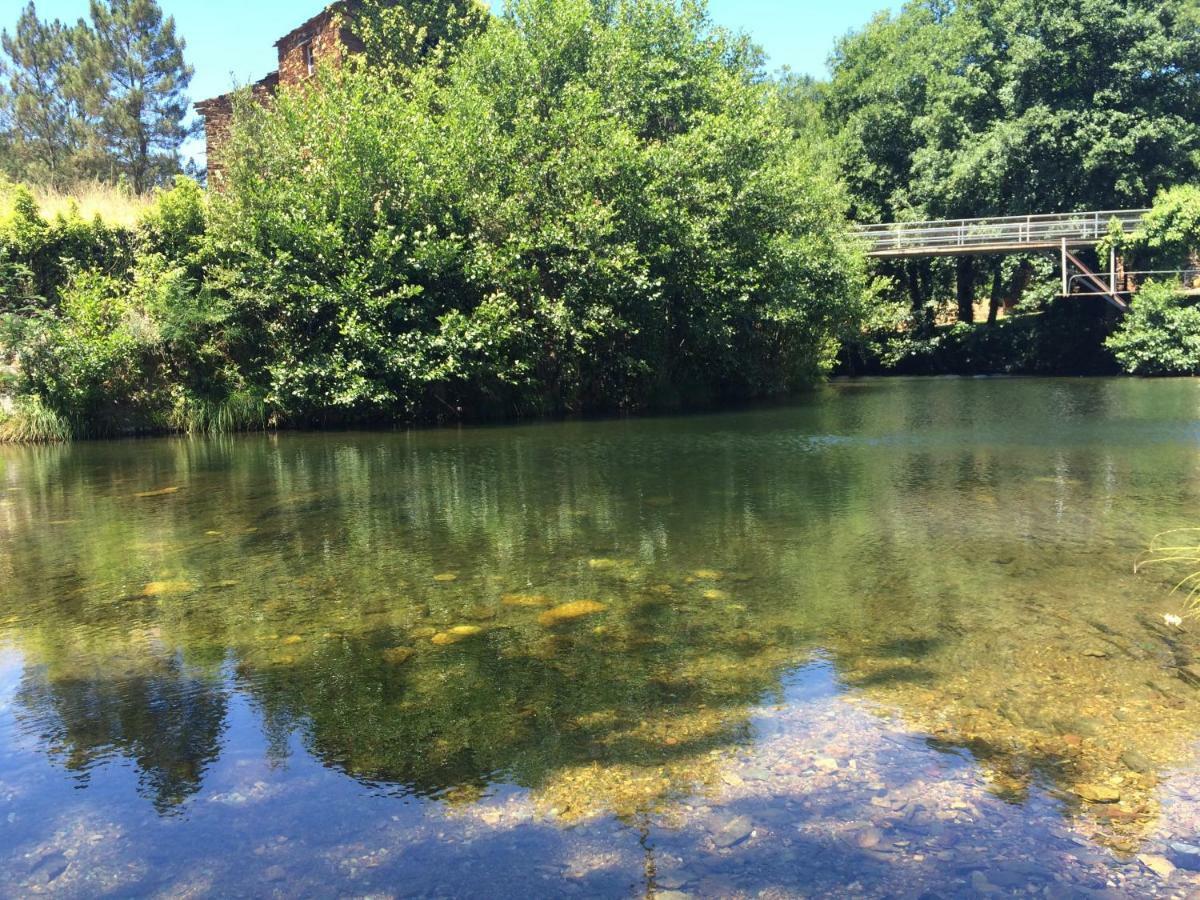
point(310, 61)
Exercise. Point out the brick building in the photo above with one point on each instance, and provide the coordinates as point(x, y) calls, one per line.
point(324, 40)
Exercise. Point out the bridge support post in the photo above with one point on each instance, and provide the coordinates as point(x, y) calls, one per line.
point(1066, 285)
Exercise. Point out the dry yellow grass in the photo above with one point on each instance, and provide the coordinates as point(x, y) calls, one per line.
point(114, 205)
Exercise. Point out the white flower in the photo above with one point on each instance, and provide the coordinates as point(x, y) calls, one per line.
point(1173, 620)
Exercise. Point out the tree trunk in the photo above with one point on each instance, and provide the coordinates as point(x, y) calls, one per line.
point(966, 289)
point(997, 295)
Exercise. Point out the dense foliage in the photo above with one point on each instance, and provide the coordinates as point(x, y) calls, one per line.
point(1169, 235)
point(968, 108)
point(1161, 335)
point(102, 99)
point(587, 209)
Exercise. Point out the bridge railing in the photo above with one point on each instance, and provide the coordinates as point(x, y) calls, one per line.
point(1007, 232)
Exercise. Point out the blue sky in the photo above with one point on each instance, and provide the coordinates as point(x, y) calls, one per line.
point(231, 41)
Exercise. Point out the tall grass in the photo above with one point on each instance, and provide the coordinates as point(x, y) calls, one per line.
point(31, 422)
point(116, 206)
point(237, 412)
point(1178, 547)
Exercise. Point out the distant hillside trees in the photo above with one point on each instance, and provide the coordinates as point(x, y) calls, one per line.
point(100, 99)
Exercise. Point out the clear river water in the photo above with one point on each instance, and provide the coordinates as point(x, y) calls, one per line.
point(884, 641)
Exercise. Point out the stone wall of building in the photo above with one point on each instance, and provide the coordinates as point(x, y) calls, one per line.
point(324, 40)
point(218, 119)
point(328, 39)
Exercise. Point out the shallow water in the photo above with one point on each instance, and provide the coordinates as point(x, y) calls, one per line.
point(886, 641)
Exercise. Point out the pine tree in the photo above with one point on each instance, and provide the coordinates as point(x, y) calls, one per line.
point(141, 80)
point(44, 104)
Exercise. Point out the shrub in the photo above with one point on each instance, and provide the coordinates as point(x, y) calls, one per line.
point(595, 206)
point(174, 223)
point(1168, 236)
point(37, 256)
point(1160, 335)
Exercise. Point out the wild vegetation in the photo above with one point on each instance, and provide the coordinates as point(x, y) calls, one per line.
point(580, 210)
point(971, 108)
point(576, 207)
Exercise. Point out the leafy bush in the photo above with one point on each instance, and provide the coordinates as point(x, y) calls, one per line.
point(174, 223)
point(1160, 335)
point(594, 207)
point(38, 255)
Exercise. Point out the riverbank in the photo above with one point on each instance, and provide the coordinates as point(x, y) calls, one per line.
point(1067, 338)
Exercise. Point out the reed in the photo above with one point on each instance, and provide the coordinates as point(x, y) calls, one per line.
point(1177, 547)
point(30, 421)
point(237, 412)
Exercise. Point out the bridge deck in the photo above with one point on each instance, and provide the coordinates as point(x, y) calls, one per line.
point(1009, 234)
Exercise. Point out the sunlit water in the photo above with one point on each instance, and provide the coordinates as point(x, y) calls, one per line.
point(886, 641)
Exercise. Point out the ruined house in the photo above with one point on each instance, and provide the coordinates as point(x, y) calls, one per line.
point(324, 40)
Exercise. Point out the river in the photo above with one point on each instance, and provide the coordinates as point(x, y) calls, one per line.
point(886, 640)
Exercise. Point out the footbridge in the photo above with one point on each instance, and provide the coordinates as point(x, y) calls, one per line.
point(1062, 232)
point(1006, 234)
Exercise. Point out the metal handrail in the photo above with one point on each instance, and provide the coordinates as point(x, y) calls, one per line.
point(1015, 230)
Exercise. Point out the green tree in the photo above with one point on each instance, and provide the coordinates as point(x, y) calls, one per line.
point(962, 108)
point(1168, 237)
point(141, 83)
point(45, 101)
point(596, 206)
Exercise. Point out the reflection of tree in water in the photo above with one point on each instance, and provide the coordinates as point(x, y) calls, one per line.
point(163, 718)
point(516, 703)
point(946, 551)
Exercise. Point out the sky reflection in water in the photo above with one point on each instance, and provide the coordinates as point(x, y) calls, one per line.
point(886, 639)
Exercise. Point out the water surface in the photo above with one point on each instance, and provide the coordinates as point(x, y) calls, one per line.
point(885, 641)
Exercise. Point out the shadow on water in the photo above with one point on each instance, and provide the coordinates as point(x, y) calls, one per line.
point(409, 610)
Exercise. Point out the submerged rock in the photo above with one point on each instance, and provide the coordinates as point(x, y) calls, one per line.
point(708, 575)
point(456, 634)
point(869, 838)
point(398, 656)
point(1159, 865)
point(731, 832)
point(1097, 793)
point(715, 594)
point(569, 612)
point(158, 588)
point(1136, 762)
point(161, 492)
point(1186, 856)
point(525, 600)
